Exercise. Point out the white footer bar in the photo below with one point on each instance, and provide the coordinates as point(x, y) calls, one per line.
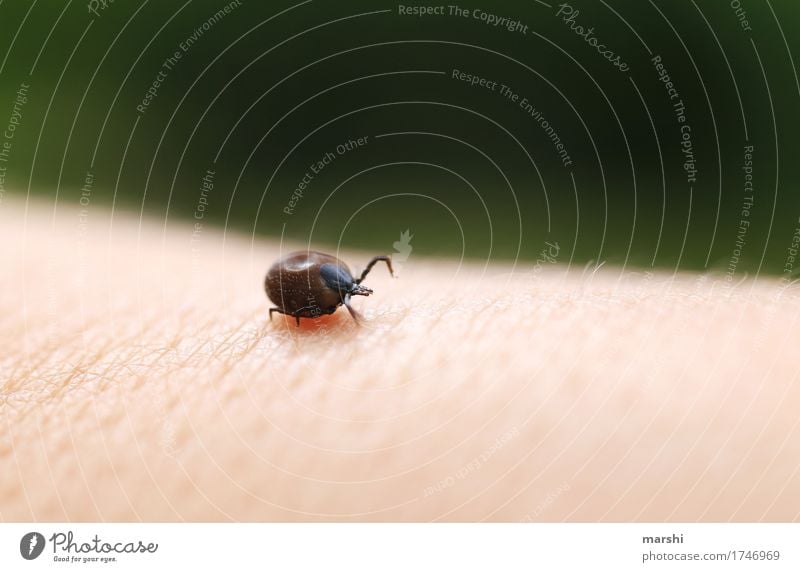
point(400, 547)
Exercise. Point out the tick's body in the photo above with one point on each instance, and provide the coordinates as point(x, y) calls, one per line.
point(308, 284)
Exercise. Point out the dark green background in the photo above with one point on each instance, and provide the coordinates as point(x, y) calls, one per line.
point(97, 69)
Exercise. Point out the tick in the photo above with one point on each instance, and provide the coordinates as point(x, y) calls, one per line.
point(308, 284)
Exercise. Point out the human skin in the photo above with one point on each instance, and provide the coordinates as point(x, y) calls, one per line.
point(142, 380)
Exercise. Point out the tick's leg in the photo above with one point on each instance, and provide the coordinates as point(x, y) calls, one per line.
point(372, 263)
point(297, 313)
point(275, 310)
point(356, 315)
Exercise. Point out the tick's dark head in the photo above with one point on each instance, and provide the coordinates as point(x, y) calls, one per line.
point(337, 278)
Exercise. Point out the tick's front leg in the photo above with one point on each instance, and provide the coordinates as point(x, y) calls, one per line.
point(297, 313)
point(372, 263)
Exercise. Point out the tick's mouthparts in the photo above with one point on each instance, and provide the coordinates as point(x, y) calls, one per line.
point(359, 290)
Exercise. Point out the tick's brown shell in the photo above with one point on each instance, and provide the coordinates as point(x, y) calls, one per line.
point(295, 282)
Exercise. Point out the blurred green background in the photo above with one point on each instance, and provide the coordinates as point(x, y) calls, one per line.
point(263, 90)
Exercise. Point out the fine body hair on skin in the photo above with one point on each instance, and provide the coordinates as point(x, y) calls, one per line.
point(142, 380)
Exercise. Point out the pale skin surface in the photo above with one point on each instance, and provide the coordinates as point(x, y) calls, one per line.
point(141, 380)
